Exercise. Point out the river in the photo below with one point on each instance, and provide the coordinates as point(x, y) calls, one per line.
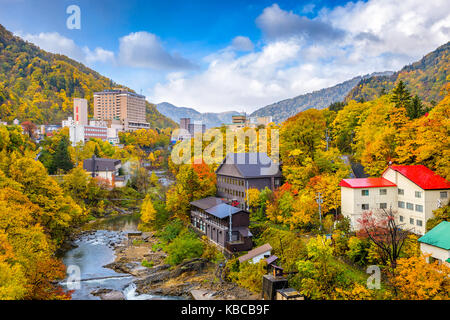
point(94, 249)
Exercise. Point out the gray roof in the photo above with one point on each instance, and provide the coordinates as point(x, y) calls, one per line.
point(248, 165)
point(207, 203)
point(223, 210)
point(100, 164)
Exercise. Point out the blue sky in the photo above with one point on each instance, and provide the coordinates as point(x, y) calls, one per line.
point(233, 55)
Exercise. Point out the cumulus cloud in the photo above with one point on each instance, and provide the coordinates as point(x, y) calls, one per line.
point(57, 43)
point(144, 49)
point(242, 43)
point(277, 23)
point(300, 56)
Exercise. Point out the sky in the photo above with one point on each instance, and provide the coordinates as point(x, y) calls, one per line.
point(217, 56)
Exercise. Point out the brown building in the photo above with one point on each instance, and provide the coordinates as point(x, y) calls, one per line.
point(122, 105)
point(211, 216)
point(242, 171)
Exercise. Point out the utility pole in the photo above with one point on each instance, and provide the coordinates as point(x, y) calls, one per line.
point(319, 202)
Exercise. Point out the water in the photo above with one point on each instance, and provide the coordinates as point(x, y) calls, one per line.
point(95, 249)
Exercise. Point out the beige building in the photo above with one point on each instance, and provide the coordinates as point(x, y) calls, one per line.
point(119, 104)
point(80, 111)
point(413, 193)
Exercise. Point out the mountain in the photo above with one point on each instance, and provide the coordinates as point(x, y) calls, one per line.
point(321, 99)
point(39, 86)
point(210, 119)
point(425, 78)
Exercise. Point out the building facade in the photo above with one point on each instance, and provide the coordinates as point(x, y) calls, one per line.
point(119, 104)
point(240, 172)
point(225, 225)
point(436, 243)
point(107, 169)
point(80, 111)
point(413, 193)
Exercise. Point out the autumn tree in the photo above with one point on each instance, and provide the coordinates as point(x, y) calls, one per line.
point(381, 228)
point(415, 279)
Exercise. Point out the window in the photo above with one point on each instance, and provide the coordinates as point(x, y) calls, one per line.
point(411, 220)
point(365, 206)
point(409, 206)
point(383, 192)
point(402, 218)
point(418, 194)
point(364, 192)
point(444, 195)
point(383, 205)
point(401, 192)
point(419, 208)
point(401, 204)
point(419, 223)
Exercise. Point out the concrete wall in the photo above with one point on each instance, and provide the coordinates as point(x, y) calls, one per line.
point(436, 252)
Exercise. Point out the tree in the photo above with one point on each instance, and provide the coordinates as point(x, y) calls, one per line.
point(61, 158)
point(416, 279)
point(401, 96)
point(148, 212)
point(415, 109)
point(382, 229)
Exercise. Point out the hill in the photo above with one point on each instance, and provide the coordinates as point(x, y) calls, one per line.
point(321, 99)
point(210, 119)
point(39, 86)
point(425, 78)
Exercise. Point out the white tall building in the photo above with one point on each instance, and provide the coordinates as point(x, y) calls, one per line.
point(80, 111)
point(413, 193)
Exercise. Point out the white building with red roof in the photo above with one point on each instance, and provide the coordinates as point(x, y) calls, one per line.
point(413, 193)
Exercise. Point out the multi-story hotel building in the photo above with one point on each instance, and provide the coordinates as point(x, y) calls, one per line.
point(80, 111)
point(122, 105)
point(412, 192)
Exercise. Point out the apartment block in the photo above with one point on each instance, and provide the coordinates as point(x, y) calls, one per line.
point(413, 193)
point(119, 104)
point(80, 111)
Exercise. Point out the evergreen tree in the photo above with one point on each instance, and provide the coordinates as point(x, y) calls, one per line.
point(61, 158)
point(401, 96)
point(415, 109)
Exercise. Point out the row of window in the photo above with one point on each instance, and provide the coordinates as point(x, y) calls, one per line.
point(410, 206)
point(232, 192)
point(417, 194)
point(419, 223)
point(228, 180)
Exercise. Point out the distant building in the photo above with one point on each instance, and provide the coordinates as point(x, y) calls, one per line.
point(413, 192)
point(80, 111)
point(119, 104)
point(436, 243)
point(188, 129)
point(107, 169)
point(242, 171)
point(211, 216)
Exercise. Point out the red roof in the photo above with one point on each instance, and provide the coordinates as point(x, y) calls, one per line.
point(366, 183)
point(423, 177)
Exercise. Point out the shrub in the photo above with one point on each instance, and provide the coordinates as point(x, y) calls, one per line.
point(171, 231)
point(185, 246)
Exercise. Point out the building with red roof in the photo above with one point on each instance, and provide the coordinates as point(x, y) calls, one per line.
point(413, 192)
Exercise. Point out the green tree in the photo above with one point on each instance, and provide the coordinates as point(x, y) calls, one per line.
point(61, 159)
point(401, 97)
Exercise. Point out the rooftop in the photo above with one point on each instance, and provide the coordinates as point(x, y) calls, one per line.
point(207, 203)
point(100, 164)
point(366, 183)
point(423, 177)
point(255, 252)
point(439, 236)
point(248, 165)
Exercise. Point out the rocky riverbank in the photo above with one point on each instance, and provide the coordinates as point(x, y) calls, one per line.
point(193, 278)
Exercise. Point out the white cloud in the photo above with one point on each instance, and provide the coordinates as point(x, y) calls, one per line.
point(301, 55)
point(242, 43)
point(57, 43)
point(144, 50)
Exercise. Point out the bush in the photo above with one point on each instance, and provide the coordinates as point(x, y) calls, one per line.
point(358, 250)
point(147, 264)
point(171, 231)
point(186, 246)
point(249, 275)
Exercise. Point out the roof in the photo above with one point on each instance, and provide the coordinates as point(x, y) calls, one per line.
point(366, 183)
point(271, 259)
point(207, 203)
point(423, 177)
point(100, 164)
point(223, 210)
point(249, 165)
point(255, 252)
point(439, 236)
